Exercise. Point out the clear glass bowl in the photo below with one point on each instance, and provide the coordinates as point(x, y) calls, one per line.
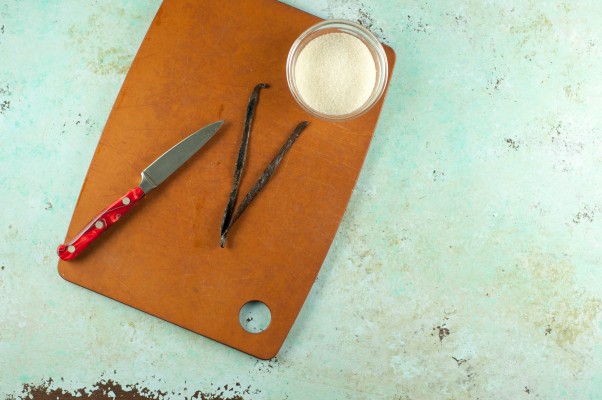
point(340, 26)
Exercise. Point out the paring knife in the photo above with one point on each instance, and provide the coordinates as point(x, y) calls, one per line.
point(152, 176)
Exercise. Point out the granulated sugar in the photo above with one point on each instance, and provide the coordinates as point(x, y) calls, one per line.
point(335, 73)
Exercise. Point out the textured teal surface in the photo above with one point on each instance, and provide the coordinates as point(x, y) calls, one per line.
point(468, 264)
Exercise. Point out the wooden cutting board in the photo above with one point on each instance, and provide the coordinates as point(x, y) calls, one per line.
point(198, 64)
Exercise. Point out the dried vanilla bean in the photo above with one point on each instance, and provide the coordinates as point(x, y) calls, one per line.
point(265, 177)
point(242, 155)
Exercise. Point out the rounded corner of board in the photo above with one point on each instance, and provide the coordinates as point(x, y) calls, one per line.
point(62, 270)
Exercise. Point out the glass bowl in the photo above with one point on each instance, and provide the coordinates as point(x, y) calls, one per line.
point(351, 28)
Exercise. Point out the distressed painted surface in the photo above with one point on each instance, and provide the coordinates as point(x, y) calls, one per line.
point(468, 264)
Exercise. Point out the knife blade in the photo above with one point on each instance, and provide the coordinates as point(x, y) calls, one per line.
point(152, 176)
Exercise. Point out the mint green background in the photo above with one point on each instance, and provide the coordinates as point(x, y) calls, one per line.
point(468, 264)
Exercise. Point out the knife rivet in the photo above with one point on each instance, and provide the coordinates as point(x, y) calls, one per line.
point(71, 249)
point(126, 201)
point(99, 224)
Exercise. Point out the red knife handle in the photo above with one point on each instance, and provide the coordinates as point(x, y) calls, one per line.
point(101, 223)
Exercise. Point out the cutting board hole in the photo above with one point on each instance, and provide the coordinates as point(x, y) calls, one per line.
point(255, 316)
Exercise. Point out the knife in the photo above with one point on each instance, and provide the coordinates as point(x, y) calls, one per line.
point(152, 177)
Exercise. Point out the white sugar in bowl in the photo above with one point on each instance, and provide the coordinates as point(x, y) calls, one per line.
point(337, 70)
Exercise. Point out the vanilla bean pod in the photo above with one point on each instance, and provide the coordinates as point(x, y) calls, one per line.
point(240, 161)
point(265, 177)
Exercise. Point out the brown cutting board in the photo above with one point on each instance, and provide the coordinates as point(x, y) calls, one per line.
point(198, 64)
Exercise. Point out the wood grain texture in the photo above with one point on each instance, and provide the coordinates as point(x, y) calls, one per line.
point(197, 64)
